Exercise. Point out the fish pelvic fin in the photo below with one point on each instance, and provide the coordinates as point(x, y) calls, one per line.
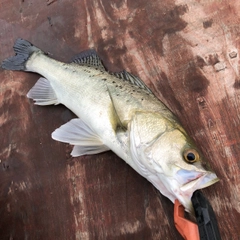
point(23, 50)
point(79, 134)
point(42, 93)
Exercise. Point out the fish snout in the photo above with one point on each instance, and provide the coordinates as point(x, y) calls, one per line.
point(193, 180)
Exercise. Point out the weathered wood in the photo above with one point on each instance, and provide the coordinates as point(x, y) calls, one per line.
point(188, 54)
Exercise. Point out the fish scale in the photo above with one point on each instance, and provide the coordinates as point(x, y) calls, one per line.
point(116, 111)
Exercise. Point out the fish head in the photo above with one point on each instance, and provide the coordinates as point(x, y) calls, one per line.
point(166, 156)
point(181, 167)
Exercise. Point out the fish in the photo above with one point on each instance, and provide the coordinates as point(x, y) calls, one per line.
point(118, 112)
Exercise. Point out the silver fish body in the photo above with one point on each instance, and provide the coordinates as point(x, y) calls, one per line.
point(116, 112)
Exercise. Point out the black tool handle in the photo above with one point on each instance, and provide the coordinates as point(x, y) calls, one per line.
point(205, 216)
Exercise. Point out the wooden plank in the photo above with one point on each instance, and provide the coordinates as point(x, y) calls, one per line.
point(187, 52)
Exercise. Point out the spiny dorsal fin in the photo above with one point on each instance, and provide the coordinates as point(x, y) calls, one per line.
point(89, 58)
point(126, 76)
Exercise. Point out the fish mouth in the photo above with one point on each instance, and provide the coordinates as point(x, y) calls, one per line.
point(189, 182)
point(201, 180)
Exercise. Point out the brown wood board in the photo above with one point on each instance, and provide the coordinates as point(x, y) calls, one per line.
point(187, 52)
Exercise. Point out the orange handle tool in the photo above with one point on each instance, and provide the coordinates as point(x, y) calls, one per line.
point(186, 228)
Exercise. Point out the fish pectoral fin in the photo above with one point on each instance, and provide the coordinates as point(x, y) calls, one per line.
point(89, 58)
point(76, 132)
point(88, 150)
point(42, 93)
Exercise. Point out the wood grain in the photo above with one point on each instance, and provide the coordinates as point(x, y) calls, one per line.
point(186, 51)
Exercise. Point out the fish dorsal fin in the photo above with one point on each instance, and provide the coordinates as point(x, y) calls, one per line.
point(42, 93)
point(77, 133)
point(89, 58)
point(126, 76)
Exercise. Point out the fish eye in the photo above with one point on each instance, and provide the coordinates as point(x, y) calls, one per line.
point(191, 155)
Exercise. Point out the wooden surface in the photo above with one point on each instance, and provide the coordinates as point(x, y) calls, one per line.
point(186, 51)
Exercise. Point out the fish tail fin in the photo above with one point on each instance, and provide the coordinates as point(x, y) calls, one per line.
point(23, 50)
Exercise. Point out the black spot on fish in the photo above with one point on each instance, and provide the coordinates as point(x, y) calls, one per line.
point(104, 79)
point(113, 82)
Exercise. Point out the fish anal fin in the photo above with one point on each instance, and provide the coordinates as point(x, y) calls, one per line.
point(76, 132)
point(42, 93)
point(89, 58)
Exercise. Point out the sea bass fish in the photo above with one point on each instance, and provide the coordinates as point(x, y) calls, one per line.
point(116, 112)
